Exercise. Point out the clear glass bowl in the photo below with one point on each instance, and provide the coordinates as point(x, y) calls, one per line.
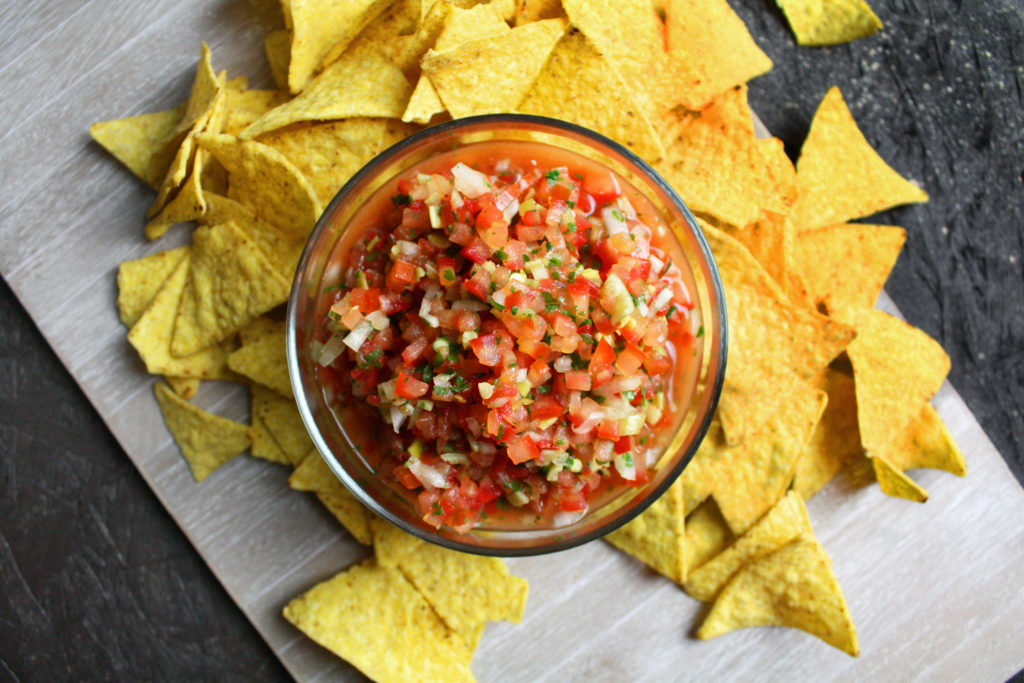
point(338, 447)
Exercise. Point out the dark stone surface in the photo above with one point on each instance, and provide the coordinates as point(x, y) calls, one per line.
point(96, 581)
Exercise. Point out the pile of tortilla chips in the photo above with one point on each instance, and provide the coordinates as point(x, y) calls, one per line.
point(818, 381)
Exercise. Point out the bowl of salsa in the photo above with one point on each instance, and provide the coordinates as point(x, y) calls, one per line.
point(507, 335)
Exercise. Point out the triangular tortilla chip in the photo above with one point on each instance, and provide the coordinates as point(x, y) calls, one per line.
point(707, 534)
point(656, 537)
point(737, 266)
point(139, 280)
point(402, 35)
point(351, 86)
point(573, 73)
point(424, 104)
point(795, 587)
point(773, 347)
point(207, 441)
point(839, 174)
point(780, 525)
point(278, 46)
point(709, 52)
point(185, 387)
point(152, 332)
point(320, 26)
point(135, 140)
point(391, 544)
point(831, 22)
point(845, 266)
point(187, 205)
point(264, 180)
point(246, 106)
point(372, 617)
point(895, 483)
point(314, 475)
point(230, 283)
point(748, 479)
point(926, 442)
point(263, 360)
point(264, 445)
point(282, 419)
point(493, 74)
point(281, 249)
point(527, 11)
point(836, 439)
point(896, 369)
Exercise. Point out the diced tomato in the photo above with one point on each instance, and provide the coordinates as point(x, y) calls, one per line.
point(608, 430)
point(630, 360)
point(529, 233)
point(600, 366)
point(462, 234)
point(521, 449)
point(578, 380)
point(476, 251)
point(602, 186)
point(546, 407)
point(392, 302)
point(406, 478)
point(366, 300)
point(407, 386)
point(486, 350)
point(538, 372)
point(572, 501)
point(413, 352)
point(656, 365)
point(446, 271)
point(401, 275)
point(623, 445)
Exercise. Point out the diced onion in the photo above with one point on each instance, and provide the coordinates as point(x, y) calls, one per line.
point(358, 336)
point(378, 320)
point(332, 349)
point(470, 182)
point(510, 211)
point(563, 364)
point(428, 476)
point(564, 518)
point(624, 464)
point(397, 418)
point(614, 220)
point(660, 301)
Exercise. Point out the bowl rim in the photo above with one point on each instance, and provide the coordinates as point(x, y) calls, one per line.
point(716, 292)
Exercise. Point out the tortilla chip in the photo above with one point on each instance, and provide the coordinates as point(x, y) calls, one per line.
point(320, 26)
point(151, 335)
point(795, 587)
point(402, 35)
point(464, 589)
point(707, 534)
point(263, 361)
point(372, 617)
point(780, 525)
point(424, 104)
point(840, 176)
point(281, 418)
point(259, 327)
point(831, 22)
point(139, 280)
point(836, 440)
point(245, 106)
point(527, 11)
point(926, 442)
point(391, 544)
point(748, 479)
point(863, 255)
point(474, 23)
point(265, 181)
point(281, 249)
point(773, 347)
point(329, 154)
point(278, 46)
point(895, 483)
point(187, 205)
point(314, 475)
point(709, 52)
point(351, 86)
point(573, 73)
point(264, 445)
point(656, 537)
point(896, 369)
point(135, 140)
point(507, 64)
point(207, 441)
point(737, 266)
point(185, 387)
point(230, 283)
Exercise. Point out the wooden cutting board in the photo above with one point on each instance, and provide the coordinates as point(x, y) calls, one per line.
point(934, 589)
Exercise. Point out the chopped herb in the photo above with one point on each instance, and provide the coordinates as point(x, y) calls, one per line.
point(401, 200)
point(550, 302)
point(500, 254)
point(333, 287)
point(552, 176)
point(671, 310)
point(514, 310)
point(547, 338)
point(599, 400)
point(371, 360)
point(629, 395)
point(437, 508)
point(700, 332)
point(577, 362)
point(544, 389)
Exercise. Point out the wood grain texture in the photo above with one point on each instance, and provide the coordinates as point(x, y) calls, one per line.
point(934, 589)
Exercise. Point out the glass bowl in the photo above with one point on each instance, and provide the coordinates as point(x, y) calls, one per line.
point(334, 233)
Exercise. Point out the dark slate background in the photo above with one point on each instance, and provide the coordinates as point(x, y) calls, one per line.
point(98, 583)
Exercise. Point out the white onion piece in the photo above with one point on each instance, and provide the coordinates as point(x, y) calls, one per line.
point(614, 221)
point(332, 349)
point(470, 182)
point(429, 476)
point(563, 364)
point(358, 336)
point(566, 517)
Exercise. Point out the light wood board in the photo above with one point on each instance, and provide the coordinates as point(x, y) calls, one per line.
point(935, 589)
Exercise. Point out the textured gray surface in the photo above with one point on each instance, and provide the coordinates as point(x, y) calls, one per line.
point(97, 583)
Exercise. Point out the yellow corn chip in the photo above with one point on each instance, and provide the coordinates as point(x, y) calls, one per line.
point(185, 387)
point(748, 479)
point(151, 335)
point(230, 283)
point(795, 587)
point(138, 281)
point(207, 441)
point(829, 22)
point(320, 26)
point(187, 205)
point(737, 266)
point(504, 65)
point(707, 534)
point(329, 154)
point(709, 52)
point(351, 86)
point(135, 140)
point(845, 266)
point(840, 176)
point(391, 544)
point(263, 443)
point(264, 180)
point(314, 475)
point(773, 347)
point(424, 104)
point(402, 35)
point(780, 525)
point(264, 361)
point(573, 73)
point(896, 369)
point(259, 327)
point(206, 87)
point(372, 617)
point(836, 440)
point(926, 442)
point(527, 11)
point(465, 590)
point(656, 537)
point(281, 418)
point(245, 106)
point(895, 483)
point(281, 249)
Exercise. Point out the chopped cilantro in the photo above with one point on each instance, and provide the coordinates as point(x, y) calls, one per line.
point(401, 200)
point(371, 360)
point(550, 302)
point(577, 362)
point(671, 310)
point(552, 176)
point(514, 310)
point(544, 389)
point(500, 254)
point(700, 332)
point(333, 287)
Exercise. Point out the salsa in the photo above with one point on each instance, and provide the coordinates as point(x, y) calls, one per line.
point(510, 329)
